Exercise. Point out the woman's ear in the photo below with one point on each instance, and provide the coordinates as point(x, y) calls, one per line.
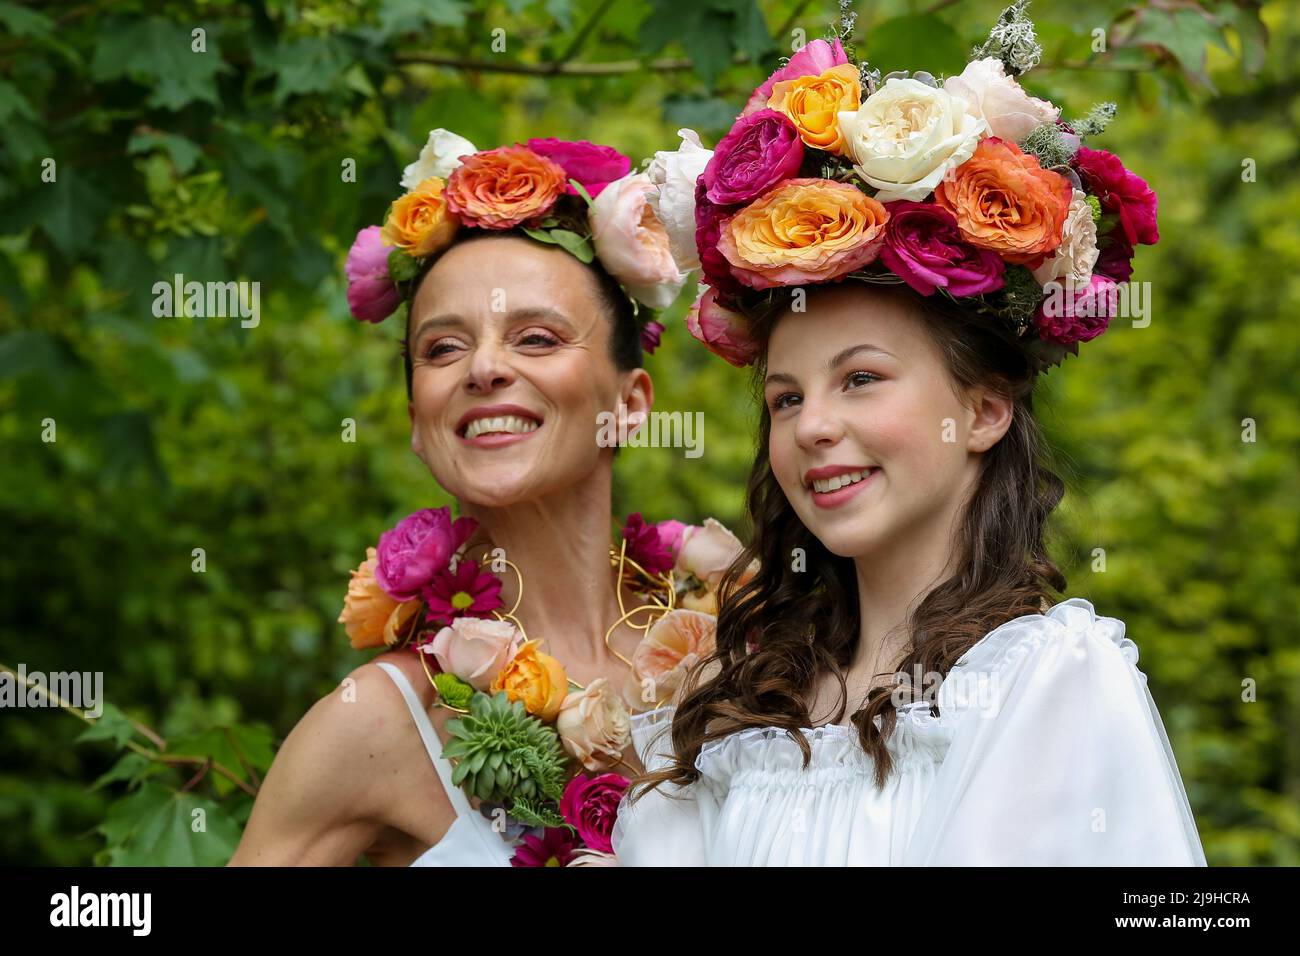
point(991, 417)
point(638, 396)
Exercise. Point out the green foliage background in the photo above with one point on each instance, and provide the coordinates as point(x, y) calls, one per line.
point(183, 433)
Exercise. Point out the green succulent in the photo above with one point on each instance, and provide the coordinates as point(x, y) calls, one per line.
point(453, 691)
point(502, 754)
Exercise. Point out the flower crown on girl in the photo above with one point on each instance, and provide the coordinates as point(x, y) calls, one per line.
point(970, 188)
point(577, 195)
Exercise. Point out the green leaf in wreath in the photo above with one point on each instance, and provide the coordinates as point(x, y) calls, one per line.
point(541, 235)
point(582, 191)
point(580, 246)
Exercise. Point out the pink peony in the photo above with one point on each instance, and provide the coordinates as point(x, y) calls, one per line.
point(762, 149)
point(372, 296)
point(814, 59)
point(594, 166)
point(1070, 313)
point(1120, 191)
point(924, 247)
point(421, 545)
point(720, 330)
point(590, 805)
point(670, 534)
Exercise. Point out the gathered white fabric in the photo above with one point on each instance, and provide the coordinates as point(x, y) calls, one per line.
point(1048, 750)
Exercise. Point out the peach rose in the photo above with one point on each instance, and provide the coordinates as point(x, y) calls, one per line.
point(477, 650)
point(420, 222)
point(632, 243)
point(535, 678)
point(366, 608)
point(400, 619)
point(673, 645)
point(594, 726)
point(1004, 201)
point(803, 230)
point(812, 103)
point(501, 188)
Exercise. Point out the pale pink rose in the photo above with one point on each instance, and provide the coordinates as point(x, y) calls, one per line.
point(594, 726)
point(720, 330)
point(1076, 256)
point(632, 243)
point(707, 550)
point(674, 175)
point(670, 649)
point(1000, 100)
point(475, 649)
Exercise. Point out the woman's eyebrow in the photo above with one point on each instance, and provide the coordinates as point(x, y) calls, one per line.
point(529, 314)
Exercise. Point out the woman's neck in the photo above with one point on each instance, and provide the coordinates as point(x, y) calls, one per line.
point(560, 544)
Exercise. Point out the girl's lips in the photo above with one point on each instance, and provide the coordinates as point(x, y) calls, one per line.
point(836, 498)
point(498, 439)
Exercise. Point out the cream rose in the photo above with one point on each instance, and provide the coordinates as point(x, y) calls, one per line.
point(999, 100)
point(906, 135)
point(1075, 257)
point(440, 155)
point(668, 652)
point(632, 243)
point(594, 726)
point(706, 551)
point(673, 201)
point(475, 649)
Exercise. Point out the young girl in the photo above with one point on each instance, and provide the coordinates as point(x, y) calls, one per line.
point(898, 685)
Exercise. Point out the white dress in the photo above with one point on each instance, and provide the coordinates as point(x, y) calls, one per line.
point(1048, 750)
point(470, 841)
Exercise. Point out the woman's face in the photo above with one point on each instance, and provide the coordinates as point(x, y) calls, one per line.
point(868, 440)
point(509, 345)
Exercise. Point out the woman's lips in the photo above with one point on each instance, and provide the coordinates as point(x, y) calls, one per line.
point(497, 439)
point(836, 498)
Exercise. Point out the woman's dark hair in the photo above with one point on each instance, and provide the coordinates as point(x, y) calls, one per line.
point(625, 336)
point(806, 623)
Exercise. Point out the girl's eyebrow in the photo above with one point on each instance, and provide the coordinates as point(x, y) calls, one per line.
point(836, 360)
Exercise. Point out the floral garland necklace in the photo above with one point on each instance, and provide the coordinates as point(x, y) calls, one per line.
point(534, 747)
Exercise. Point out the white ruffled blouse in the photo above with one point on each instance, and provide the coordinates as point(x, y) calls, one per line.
point(1048, 750)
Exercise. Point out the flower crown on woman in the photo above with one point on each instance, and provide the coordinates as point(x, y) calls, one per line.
point(970, 189)
point(577, 195)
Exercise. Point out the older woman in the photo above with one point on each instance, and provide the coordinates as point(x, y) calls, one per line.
point(515, 348)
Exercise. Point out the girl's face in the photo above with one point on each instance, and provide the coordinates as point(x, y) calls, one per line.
point(869, 441)
point(510, 370)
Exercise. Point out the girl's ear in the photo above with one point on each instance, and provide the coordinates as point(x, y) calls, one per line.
point(991, 417)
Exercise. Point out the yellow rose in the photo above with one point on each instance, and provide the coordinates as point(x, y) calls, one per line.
point(535, 678)
point(811, 103)
point(366, 609)
point(419, 223)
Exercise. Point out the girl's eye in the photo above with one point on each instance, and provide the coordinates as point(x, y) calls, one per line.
point(858, 379)
point(783, 401)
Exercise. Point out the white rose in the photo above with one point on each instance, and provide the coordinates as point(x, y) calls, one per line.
point(906, 135)
point(1077, 253)
point(441, 154)
point(675, 173)
point(999, 100)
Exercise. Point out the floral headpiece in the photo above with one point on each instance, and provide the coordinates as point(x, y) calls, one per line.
point(970, 188)
point(577, 195)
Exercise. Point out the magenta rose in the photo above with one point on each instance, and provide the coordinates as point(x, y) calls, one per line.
point(708, 226)
point(1120, 191)
point(762, 149)
point(645, 545)
point(590, 805)
point(720, 330)
point(1114, 257)
point(814, 59)
point(592, 165)
point(924, 247)
point(372, 296)
point(1071, 314)
point(415, 550)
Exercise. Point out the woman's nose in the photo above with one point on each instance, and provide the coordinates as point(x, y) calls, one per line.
point(488, 370)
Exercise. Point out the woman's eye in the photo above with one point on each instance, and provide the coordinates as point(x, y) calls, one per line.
point(858, 379)
point(783, 401)
point(539, 338)
point(438, 349)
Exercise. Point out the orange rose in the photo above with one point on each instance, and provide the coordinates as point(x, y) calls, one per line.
point(420, 223)
point(802, 231)
point(501, 188)
point(1004, 201)
point(811, 103)
point(366, 609)
point(535, 678)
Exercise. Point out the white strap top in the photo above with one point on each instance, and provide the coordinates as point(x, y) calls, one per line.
point(470, 841)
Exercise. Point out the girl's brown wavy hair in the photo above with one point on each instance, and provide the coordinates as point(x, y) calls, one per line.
point(806, 623)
